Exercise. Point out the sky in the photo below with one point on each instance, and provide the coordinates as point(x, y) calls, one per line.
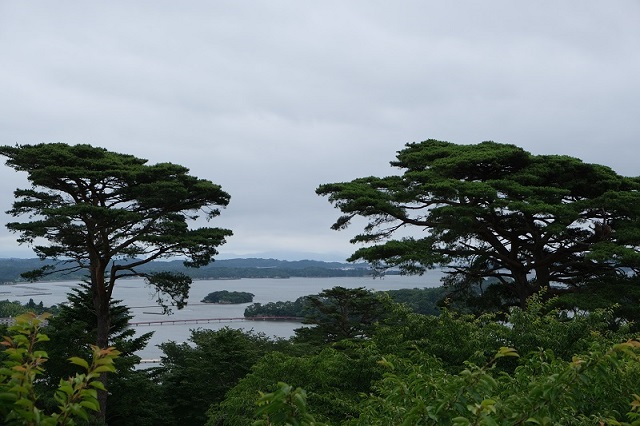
point(271, 99)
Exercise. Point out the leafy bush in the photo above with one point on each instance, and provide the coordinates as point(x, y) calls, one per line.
point(593, 388)
point(538, 365)
point(23, 363)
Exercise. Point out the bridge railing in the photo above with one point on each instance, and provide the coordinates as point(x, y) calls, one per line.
point(210, 320)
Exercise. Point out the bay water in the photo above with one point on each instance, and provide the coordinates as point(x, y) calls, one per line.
point(139, 298)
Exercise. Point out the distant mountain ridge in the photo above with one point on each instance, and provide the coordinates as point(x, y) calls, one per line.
point(11, 268)
point(253, 262)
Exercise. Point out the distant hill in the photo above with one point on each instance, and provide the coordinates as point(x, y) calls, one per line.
point(10, 269)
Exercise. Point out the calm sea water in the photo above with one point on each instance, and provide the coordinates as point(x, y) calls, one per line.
point(139, 297)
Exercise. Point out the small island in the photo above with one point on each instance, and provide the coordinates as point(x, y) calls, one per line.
point(228, 297)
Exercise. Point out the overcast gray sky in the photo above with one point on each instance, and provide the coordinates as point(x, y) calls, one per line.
point(272, 98)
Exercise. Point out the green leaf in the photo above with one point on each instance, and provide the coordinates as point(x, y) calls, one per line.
point(461, 421)
point(94, 406)
point(104, 369)
point(79, 361)
point(98, 385)
point(506, 352)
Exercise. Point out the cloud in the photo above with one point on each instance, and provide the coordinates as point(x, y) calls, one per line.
point(271, 99)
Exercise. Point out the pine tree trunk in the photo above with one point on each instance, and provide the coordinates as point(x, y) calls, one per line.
point(101, 305)
point(523, 288)
point(103, 342)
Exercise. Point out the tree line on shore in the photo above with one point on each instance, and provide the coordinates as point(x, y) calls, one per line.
point(420, 300)
point(11, 270)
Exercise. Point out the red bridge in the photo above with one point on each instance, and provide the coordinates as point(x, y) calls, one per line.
point(210, 320)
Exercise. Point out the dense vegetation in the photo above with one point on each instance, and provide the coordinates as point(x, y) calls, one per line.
point(13, 309)
point(537, 323)
point(224, 296)
point(539, 365)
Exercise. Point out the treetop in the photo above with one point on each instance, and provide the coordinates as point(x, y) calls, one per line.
point(494, 210)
